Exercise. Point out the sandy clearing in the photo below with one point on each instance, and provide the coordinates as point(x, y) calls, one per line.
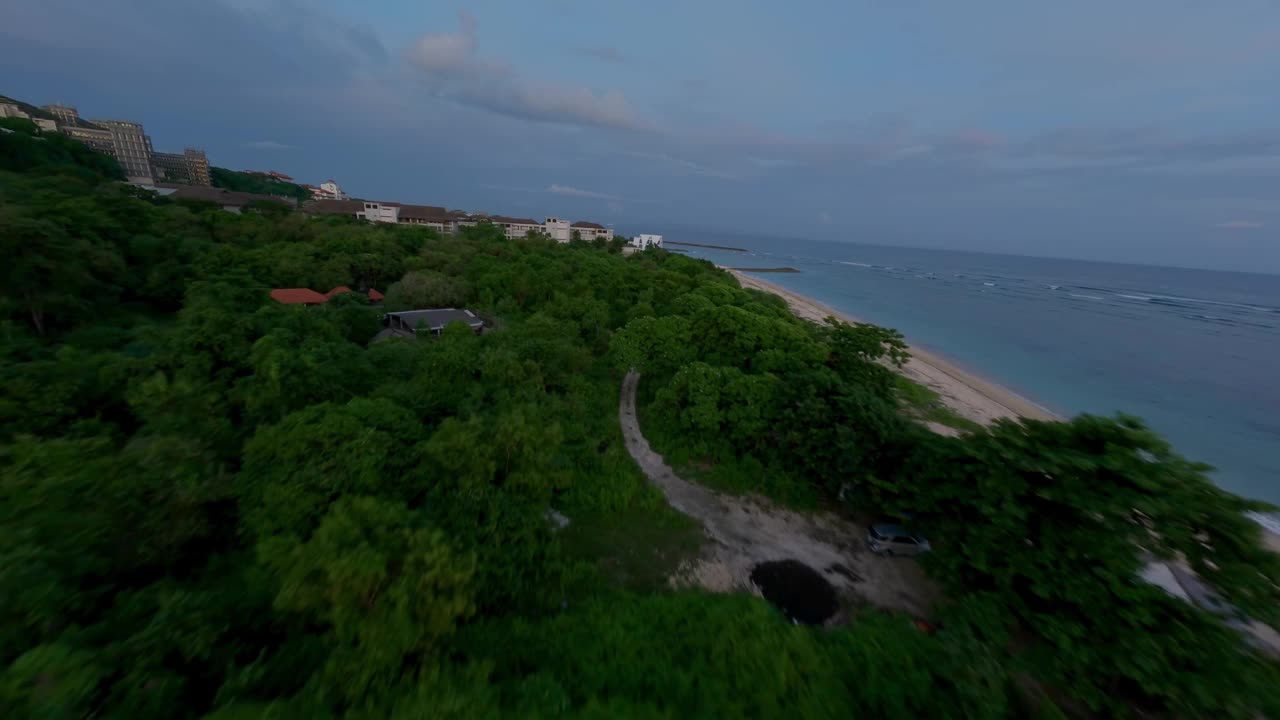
point(745, 531)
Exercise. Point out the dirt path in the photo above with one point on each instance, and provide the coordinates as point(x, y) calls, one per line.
point(751, 530)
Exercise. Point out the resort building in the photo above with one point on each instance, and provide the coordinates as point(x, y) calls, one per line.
point(191, 167)
point(591, 231)
point(517, 228)
point(557, 229)
point(327, 190)
point(380, 212)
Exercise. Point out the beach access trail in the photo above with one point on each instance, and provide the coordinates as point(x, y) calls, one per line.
point(746, 531)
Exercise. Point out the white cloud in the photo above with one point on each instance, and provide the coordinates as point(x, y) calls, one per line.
point(576, 192)
point(449, 67)
point(268, 145)
point(1240, 225)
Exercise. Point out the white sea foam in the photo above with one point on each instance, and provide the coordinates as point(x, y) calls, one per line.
point(1086, 297)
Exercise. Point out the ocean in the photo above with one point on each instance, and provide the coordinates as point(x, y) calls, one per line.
point(1195, 353)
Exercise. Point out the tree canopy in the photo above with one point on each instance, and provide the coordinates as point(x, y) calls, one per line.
point(213, 505)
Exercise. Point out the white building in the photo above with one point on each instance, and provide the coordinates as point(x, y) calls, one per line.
point(644, 242)
point(328, 190)
point(557, 229)
point(517, 228)
point(9, 110)
point(379, 213)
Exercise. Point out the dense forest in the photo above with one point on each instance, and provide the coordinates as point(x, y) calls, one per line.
point(257, 184)
point(214, 505)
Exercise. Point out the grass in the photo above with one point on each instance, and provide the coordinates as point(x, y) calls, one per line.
point(637, 548)
point(925, 404)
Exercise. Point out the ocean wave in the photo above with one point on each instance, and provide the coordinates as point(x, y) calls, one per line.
point(1143, 298)
point(845, 262)
point(1170, 299)
point(1086, 297)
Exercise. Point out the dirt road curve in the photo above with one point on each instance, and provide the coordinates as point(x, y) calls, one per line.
point(748, 531)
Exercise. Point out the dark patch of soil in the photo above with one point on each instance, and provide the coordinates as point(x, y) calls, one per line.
point(799, 591)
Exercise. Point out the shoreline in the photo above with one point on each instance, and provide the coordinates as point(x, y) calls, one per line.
point(970, 396)
point(965, 393)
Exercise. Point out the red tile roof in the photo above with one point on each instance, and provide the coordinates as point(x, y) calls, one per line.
point(375, 296)
point(338, 290)
point(298, 296)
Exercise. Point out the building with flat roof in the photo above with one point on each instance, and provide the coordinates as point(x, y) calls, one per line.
point(557, 229)
point(65, 114)
point(190, 167)
point(132, 148)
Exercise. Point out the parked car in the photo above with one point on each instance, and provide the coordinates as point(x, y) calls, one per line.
point(895, 540)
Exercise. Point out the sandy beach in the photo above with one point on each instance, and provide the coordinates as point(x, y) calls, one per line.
point(968, 395)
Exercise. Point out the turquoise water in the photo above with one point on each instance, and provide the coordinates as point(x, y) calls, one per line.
point(1195, 353)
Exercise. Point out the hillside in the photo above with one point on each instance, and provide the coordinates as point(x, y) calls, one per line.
point(244, 182)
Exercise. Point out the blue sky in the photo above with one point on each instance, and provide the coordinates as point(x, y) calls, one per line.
point(1142, 131)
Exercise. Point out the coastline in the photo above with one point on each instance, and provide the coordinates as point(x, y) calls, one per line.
point(968, 395)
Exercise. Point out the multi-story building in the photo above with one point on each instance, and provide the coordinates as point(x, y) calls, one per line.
point(132, 148)
point(517, 228)
point(65, 114)
point(9, 110)
point(96, 138)
point(328, 190)
point(380, 212)
point(591, 231)
point(557, 229)
point(191, 167)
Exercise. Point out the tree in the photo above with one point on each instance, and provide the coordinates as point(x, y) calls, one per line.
point(47, 272)
point(425, 289)
point(387, 587)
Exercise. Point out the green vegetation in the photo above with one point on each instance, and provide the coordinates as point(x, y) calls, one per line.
point(258, 184)
point(213, 505)
point(926, 404)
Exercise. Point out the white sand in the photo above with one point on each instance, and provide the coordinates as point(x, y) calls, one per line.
point(969, 396)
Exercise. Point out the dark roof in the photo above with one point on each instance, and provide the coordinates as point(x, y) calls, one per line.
point(423, 212)
point(585, 224)
point(500, 220)
point(437, 319)
point(298, 296)
point(334, 207)
point(222, 197)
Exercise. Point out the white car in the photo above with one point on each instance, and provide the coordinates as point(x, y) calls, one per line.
point(895, 540)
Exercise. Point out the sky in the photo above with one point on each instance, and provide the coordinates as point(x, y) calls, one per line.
point(1140, 131)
